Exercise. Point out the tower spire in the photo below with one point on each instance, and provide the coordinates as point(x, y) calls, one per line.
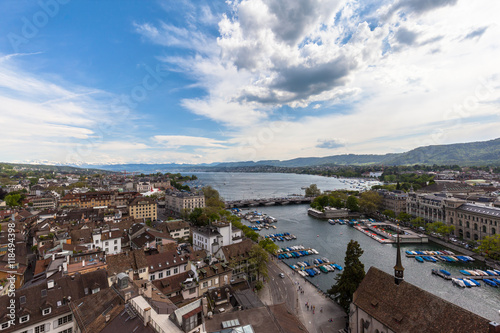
point(398, 269)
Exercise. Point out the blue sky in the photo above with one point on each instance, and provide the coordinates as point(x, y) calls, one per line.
point(93, 82)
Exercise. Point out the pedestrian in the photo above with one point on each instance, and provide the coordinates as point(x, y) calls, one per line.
point(321, 310)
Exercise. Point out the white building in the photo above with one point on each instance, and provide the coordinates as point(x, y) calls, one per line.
point(110, 241)
point(215, 236)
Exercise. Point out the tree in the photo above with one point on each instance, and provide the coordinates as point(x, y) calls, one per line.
point(268, 245)
point(259, 259)
point(404, 217)
point(417, 222)
point(13, 200)
point(389, 213)
point(370, 202)
point(352, 275)
point(312, 191)
point(491, 246)
point(352, 203)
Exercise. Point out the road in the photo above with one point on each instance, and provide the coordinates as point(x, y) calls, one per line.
point(282, 289)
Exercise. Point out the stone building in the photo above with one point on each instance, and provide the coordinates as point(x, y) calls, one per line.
point(143, 208)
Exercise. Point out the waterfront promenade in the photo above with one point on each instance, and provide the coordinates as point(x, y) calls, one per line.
point(316, 321)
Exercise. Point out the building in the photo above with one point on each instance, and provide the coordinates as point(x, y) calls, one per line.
point(238, 255)
point(108, 240)
point(183, 202)
point(472, 221)
point(178, 229)
point(380, 305)
point(213, 276)
point(44, 202)
point(95, 199)
point(215, 236)
point(133, 263)
point(144, 208)
point(430, 207)
point(165, 264)
point(45, 307)
point(393, 200)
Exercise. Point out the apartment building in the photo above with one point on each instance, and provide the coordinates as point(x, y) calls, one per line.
point(215, 236)
point(143, 208)
point(180, 202)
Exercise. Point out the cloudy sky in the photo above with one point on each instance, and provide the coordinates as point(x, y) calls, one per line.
point(212, 81)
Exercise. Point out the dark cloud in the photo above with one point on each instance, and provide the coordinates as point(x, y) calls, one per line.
point(301, 82)
point(330, 144)
point(405, 36)
point(421, 6)
point(477, 33)
point(295, 17)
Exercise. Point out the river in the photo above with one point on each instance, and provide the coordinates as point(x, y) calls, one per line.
point(331, 240)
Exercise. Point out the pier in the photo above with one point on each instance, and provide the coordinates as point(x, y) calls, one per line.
point(268, 202)
point(315, 266)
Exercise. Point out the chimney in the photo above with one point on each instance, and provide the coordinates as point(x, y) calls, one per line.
point(147, 315)
point(65, 267)
point(228, 295)
point(107, 317)
point(494, 327)
point(53, 256)
point(83, 263)
point(131, 275)
point(128, 296)
point(110, 234)
point(149, 289)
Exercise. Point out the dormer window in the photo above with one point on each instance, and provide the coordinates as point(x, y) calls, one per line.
point(5, 325)
point(46, 311)
point(24, 319)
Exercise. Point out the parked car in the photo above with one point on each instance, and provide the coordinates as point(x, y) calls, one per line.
point(281, 275)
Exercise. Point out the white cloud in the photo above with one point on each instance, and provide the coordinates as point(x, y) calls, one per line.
point(175, 141)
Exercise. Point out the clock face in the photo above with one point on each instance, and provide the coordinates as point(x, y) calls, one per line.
point(399, 273)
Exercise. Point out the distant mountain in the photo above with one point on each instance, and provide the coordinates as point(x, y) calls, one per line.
point(463, 154)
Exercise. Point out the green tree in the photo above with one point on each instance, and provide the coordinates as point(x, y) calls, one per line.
point(389, 213)
point(269, 245)
point(404, 217)
point(352, 275)
point(418, 222)
point(312, 191)
point(490, 245)
point(13, 200)
point(259, 259)
point(352, 203)
point(370, 202)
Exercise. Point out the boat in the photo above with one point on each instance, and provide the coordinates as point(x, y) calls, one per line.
point(458, 282)
point(445, 272)
point(467, 283)
point(419, 259)
point(464, 272)
point(331, 221)
point(338, 267)
point(475, 282)
point(490, 283)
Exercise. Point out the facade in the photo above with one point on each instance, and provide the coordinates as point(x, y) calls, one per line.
point(395, 201)
point(167, 264)
point(180, 202)
point(237, 256)
point(430, 207)
point(143, 208)
point(95, 199)
point(472, 221)
point(45, 202)
point(215, 236)
point(109, 241)
point(213, 276)
point(178, 229)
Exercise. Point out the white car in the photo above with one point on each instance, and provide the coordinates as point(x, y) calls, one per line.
point(281, 275)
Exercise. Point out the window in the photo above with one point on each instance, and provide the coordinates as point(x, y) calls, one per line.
point(24, 319)
point(116, 248)
point(160, 275)
point(205, 284)
point(176, 270)
point(22, 299)
point(168, 272)
point(40, 329)
point(116, 241)
point(107, 243)
point(68, 330)
point(96, 290)
point(5, 325)
point(484, 228)
point(44, 292)
point(46, 311)
point(152, 277)
point(64, 320)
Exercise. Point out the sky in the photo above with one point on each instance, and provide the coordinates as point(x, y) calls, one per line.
point(162, 81)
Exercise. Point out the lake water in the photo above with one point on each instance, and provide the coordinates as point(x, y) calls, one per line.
point(331, 240)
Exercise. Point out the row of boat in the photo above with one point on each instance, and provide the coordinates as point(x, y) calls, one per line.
point(338, 221)
point(260, 227)
point(478, 272)
point(431, 253)
point(422, 258)
point(465, 282)
point(286, 236)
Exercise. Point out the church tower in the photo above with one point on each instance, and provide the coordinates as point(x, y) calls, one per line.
point(398, 269)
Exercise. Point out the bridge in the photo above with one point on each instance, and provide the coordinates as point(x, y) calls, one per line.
point(268, 202)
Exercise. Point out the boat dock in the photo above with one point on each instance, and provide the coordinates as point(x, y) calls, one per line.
point(315, 266)
point(283, 252)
